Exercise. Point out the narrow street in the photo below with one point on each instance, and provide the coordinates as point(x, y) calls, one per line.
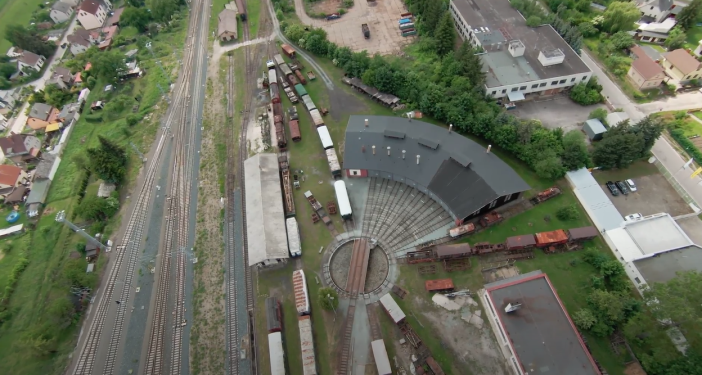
point(662, 150)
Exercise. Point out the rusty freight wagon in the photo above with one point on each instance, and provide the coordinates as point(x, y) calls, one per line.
point(300, 77)
point(302, 299)
point(440, 285)
point(435, 368)
point(275, 93)
point(316, 118)
point(582, 234)
point(462, 230)
point(279, 131)
point(549, 239)
point(294, 127)
point(456, 251)
point(241, 9)
point(278, 59)
point(490, 219)
point(288, 51)
point(273, 315)
point(526, 241)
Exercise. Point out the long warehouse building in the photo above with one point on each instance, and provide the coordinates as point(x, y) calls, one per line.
point(265, 217)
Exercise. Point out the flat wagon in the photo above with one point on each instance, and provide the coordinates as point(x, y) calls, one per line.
point(333, 161)
point(316, 118)
point(342, 197)
point(293, 237)
point(309, 104)
point(439, 285)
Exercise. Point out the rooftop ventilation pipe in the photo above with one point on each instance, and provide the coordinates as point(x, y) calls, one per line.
point(403, 154)
point(488, 149)
point(417, 159)
point(388, 150)
point(450, 127)
point(373, 149)
point(366, 122)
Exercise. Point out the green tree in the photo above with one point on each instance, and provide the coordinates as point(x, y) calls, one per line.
point(598, 113)
point(28, 40)
point(108, 65)
point(678, 299)
point(108, 161)
point(575, 154)
point(137, 17)
point(618, 148)
point(567, 213)
point(445, 35)
point(689, 15)
point(676, 38)
point(328, 298)
point(534, 21)
point(621, 40)
point(135, 3)
point(608, 309)
point(56, 97)
point(550, 167)
point(96, 208)
point(620, 16)
point(587, 29)
point(584, 319)
point(432, 16)
point(7, 70)
point(650, 129)
point(584, 95)
point(163, 10)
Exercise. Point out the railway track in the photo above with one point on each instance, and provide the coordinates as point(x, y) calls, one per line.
point(126, 256)
point(169, 308)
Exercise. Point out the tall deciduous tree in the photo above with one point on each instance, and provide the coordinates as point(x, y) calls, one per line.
point(676, 39)
point(162, 10)
point(678, 299)
point(431, 17)
point(619, 148)
point(620, 16)
point(137, 17)
point(108, 161)
point(107, 65)
point(445, 35)
point(575, 155)
point(688, 16)
point(328, 298)
point(28, 40)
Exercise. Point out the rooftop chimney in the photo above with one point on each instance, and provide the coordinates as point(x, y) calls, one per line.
point(363, 148)
point(366, 122)
point(450, 127)
point(417, 159)
point(403, 154)
point(388, 150)
point(373, 149)
point(489, 147)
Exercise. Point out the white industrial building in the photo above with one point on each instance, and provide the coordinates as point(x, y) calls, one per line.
point(520, 62)
point(265, 220)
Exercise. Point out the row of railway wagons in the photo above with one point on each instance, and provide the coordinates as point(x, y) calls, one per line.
point(281, 139)
point(549, 242)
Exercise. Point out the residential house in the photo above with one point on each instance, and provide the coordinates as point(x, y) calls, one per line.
point(659, 10)
point(54, 35)
point(73, 3)
point(61, 12)
point(113, 20)
point(41, 115)
point(93, 13)
point(654, 32)
point(62, 78)
point(70, 113)
point(132, 71)
point(106, 35)
point(644, 72)
point(680, 66)
point(20, 148)
point(9, 98)
point(83, 96)
point(37, 197)
point(12, 176)
point(16, 195)
point(226, 29)
point(30, 60)
point(81, 40)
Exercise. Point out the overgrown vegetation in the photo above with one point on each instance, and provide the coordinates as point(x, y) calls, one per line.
point(536, 16)
point(623, 144)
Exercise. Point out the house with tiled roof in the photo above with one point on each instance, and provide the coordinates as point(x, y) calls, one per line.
point(20, 148)
point(60, 12)
point(62, 78)
point(30, 60)
point(644, 72)
point(12, 176)
point(81, 40)
point(42, 115)
point(93, 13)
point(680, 66)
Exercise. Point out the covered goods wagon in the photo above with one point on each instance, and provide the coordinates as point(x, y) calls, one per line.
point(382, 362)
point(333, 161)
point(302, 299)
point(316, 117)
point(556, 237)
point(275, 93)
point(520, 242)
point(272, 76)
point(309, 364)
point(439, 285)
point(309, 104)
point(276, 353)
point(342, 197)
point(273, 315)
point(293, 237)
point(278, 58)
point(294, 126)
point(300, 90)
point(325, 137)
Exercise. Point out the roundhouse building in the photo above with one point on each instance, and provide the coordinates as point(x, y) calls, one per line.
point(465, 178)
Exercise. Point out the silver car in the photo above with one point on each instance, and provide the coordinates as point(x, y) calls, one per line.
point(632, 186)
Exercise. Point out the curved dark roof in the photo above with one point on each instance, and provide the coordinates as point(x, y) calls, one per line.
point(457, 170)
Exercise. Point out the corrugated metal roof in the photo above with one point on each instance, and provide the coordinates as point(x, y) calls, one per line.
point(392, 308)
point(382, 362)
point(309, 365)
point(276, 353)
point(596, 203)
point(293, 237)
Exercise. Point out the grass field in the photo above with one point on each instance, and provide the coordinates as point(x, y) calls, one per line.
point(13, 12)
point(46, 279)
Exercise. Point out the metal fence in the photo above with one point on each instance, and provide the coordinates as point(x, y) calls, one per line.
point(681, 191)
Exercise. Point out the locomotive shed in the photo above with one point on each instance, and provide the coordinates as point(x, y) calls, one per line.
point(540, 334)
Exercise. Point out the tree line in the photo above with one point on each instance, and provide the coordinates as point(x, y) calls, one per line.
point(449, 86)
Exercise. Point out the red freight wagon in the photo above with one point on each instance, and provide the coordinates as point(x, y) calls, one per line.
point(440, 285)
point(288, 51)
point(294, 130)
point(460, 250)
point(275, 93)
point(526, 241)
point(556, 237)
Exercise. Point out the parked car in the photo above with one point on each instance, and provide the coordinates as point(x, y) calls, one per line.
point(633, 217)
point(632, 186)
point(612, 188)
point(622, 186)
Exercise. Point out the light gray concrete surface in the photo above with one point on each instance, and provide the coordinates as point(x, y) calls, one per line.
point(361, 339)
point(653, 195)
point(559, 112)
point(692, 226)
point(381, 17)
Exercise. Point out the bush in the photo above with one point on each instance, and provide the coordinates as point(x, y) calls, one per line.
point(685, 143)
point(567, 213)
point(599, 113)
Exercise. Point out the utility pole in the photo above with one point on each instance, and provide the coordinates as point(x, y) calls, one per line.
point(61, 218)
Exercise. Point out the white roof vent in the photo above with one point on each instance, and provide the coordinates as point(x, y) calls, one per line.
point(511, 307)
point(516, 48)
point(552, 56)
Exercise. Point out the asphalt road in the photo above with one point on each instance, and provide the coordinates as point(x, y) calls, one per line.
point(662, 150)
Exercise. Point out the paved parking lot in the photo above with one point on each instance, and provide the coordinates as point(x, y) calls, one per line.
point(382, 17)
point(654, 195)
point(559, 112)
